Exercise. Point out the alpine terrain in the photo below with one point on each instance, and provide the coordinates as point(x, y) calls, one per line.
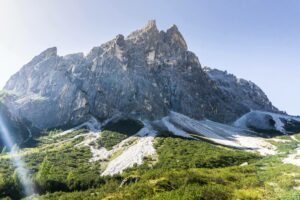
point(139, 117)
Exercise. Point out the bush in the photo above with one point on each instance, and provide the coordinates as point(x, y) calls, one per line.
point(109, 139)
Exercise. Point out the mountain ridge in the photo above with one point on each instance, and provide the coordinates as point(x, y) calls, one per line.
point(144, 75)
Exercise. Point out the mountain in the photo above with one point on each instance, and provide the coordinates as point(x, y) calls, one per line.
point(240, 90)
point(139, 118)
point(144, 75)
point(263, 117)
point(268, 122)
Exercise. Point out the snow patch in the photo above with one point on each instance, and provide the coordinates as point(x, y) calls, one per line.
point(173, 129)
point(223, 134)
point(278, 119)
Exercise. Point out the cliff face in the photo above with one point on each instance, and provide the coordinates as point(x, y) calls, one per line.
point(18, 130)
point(239, 90)
point(143, 75)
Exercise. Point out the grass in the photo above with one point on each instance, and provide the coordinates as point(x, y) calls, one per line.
point(108, 139)
point(182, 153)
point(183, 169)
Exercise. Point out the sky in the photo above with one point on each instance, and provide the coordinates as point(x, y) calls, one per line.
point(257, 40)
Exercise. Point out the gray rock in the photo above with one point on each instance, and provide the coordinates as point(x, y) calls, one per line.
point(267, 122)
point(242, 91)
point(143, 75)
point(20, 132)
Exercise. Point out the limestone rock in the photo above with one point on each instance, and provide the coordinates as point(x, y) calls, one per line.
point(245, 92)
point(144, 75)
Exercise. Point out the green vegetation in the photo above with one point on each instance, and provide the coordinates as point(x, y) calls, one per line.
point(185, 154)
point(67, 170)
point(108, 139)
point(183, 169)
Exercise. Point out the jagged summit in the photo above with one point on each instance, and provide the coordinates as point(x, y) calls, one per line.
point(151, 25)
point(49, 52)
point(172, 37)
point(149, 30)
point(144, 75)
point(46, 54)
point(176, 37)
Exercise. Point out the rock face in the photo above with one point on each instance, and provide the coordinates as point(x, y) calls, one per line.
point(18, 129)
point(269, 122)
point(241, 90)
point(143, 75)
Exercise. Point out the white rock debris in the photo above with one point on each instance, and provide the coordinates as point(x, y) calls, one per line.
point(134, 154)
point(133, 149)
point(94, 133)
point(103, 153)
point(279, 140)
point(141, 146)
point(99, 154)
point(294, 138)
point(293, 158)
point(256, 144)
point(93, 125)
point(73, 138)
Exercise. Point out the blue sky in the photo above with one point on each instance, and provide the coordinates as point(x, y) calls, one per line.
point(257, 40)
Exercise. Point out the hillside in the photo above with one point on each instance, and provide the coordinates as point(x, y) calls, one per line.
point(74, 164)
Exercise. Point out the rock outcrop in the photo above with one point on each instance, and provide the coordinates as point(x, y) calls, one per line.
point(270, 123)
point(240, 90)
point(143, 75)
point(18, 130)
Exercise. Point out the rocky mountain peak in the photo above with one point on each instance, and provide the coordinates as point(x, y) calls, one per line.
point(149, 30)
point(50, 52)
point(247, 92)
point(45, 55)
point(144, 75)
point(150, 25)
point(176, 37)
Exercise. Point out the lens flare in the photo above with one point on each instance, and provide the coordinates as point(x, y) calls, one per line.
point(22, 171)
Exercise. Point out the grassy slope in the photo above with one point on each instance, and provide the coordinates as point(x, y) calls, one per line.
point(186, 169)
